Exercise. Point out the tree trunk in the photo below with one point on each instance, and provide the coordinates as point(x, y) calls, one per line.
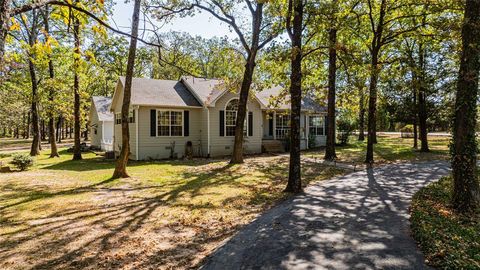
point(422, 106)
point(27, 127)
point(237, 155)
point(121, 165)
point(372, 107)
point(59, 129)
point(35, 148)
point(77, 152)
point(4, 27)
point(51, 95)
point(42, 133)
point(294, 175)
point(24, 120)
point(86, 131)
point(374, 72)
point(332, 72)
point(414, 120)
point(361, 116)
point(466, 188)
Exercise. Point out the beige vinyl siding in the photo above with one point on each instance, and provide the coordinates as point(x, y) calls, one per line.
point(204, 131)
point(96, 138)
point(222, 146)
point(159, 147)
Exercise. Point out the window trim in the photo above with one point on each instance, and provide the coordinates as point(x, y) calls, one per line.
point(170, 125)
point(130, 118)
point(316, 127)
point(118, 118)
point(236, 113)
point(282, 127)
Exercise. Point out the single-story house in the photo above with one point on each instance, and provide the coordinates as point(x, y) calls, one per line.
point(166, 115)
point(101, 123)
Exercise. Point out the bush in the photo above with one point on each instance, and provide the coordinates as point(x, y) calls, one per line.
point(407, 128)
point(22, 161)
point(407, 131)
point(345, 127)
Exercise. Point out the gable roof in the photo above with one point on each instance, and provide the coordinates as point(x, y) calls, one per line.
point(151, 92)
point(206, 90)
point(197, 92)
point(102, 105)
point(277, 98)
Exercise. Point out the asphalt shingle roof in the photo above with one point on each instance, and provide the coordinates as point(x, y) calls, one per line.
point(278, 98)
point(161, 93)
point(191, 91)
point(207, 90)
point(102, 104)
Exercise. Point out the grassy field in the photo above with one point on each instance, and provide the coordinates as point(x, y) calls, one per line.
point(388, 149)
point(448, 240)
point(65, 214)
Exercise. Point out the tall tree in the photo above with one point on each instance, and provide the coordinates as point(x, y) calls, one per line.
point(332, 76)
point(77, 151)
point(361, 112)
point(31, 32)
point(422, 100)
point(466, 188)
point(4, 27)
point(121, 165)
point(263, 30)
point(388, 20)
point(375, 47)
point(295, 32)
point(51, 93)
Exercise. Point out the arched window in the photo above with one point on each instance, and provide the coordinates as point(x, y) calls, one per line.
point(231, 110)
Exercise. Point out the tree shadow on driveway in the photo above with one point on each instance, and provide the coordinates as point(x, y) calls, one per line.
point(357, 221)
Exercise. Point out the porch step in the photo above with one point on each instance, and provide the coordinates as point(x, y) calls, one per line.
point(272, 146)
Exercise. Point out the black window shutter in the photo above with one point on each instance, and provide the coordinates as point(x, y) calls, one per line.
point(222, 123)
point(153, 123)
point(270, 125)
point(250, 124)
point(186, 123)
point(326, 125)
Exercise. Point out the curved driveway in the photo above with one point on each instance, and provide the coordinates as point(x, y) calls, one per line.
point(357, 221)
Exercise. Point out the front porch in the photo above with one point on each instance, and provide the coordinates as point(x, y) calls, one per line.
point(276, 129)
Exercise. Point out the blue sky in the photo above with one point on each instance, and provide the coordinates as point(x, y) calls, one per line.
point(202, 24)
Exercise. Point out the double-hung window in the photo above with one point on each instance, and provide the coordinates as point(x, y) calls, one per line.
point(118, 118)
point(169, 123)
point(282, 123)
point(316, 125)
point(131, 117)
point(231, 118)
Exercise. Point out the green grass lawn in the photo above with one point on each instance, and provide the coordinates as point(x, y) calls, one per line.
point(388, 149)
point(448, 240)
point(67, 214)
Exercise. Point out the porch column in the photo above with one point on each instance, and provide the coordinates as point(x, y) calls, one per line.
point(274, 125)
point(307, 127)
